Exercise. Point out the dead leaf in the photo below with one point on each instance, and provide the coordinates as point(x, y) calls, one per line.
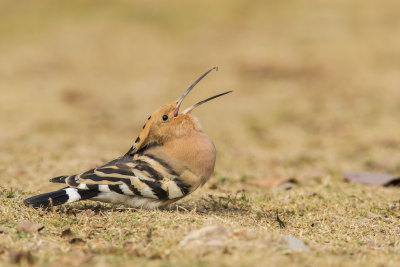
point(283, 183)
point(29, 227)
point(210, 235)
point(20, 257)
point(77, 241)
point(67, 234)
point(377, 179)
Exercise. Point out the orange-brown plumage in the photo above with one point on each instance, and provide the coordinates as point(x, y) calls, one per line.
point(171, 158)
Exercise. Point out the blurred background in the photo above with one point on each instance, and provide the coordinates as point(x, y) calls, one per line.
point(316, 83)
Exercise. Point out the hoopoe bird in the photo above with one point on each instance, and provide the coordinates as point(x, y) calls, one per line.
point(170, 159)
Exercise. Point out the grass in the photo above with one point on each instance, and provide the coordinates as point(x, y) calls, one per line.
point(341, 223)
point(316, 93)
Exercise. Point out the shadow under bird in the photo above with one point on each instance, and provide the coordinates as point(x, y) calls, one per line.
point(171, 158)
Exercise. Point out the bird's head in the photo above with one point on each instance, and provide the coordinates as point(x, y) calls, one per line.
point(167, 122)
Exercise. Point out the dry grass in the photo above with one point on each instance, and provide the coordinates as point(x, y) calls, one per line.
point(316, 93)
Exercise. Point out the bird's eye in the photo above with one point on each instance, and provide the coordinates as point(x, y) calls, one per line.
point(165, 117)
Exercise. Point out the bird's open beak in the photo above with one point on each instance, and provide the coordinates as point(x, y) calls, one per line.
point(203, 101)
point(180, 100)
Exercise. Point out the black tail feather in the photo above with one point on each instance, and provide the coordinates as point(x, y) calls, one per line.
point(59, 197)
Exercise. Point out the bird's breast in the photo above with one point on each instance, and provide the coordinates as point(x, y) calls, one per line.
point(194, 156)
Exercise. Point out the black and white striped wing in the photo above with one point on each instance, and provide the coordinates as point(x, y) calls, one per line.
point(142, 175)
